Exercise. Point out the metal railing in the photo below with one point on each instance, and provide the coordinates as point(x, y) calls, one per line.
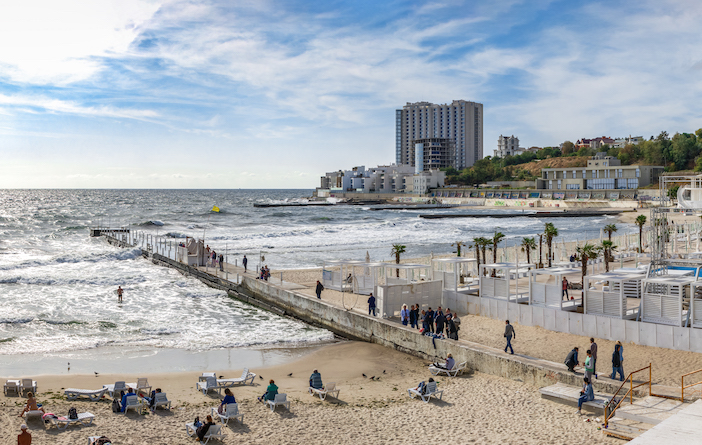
point(683, 387)
point(609, 410)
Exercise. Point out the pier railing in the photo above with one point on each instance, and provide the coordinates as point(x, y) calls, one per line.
point(683, 387)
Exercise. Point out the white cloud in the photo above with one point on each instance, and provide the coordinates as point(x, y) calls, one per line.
point(70, 107)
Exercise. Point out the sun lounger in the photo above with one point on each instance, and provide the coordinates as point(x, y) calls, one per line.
point(208, 385)
point(11, 386)
point(329, 389)
point(28, 385)
point(458, 368)
point(280, 399)
point(204, 376)
point(143, 385)
point(93, 394)
point(116, 389)
point(160, 399)
point(430, 391)
point(132, 402)
point(33, 413)
point(245, 376)
point(62, 422)
point(214, 432)
point(231, 411)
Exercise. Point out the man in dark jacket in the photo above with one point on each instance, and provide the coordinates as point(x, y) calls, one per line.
point(571, 360)
point(440, 320)
point(509, 334)
point(319, 290)
point(245, 262)
point(617, 364)
point(451, 328)
point(371, 305)
point(430, 320)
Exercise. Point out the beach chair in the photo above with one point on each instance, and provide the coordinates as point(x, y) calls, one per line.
point(143, 385)
point(280, 399)
point(208, 385)
point(11, 386)
point(245, 376)
point(231, 411)
point(33, 413)
point(160, 399)
point(27, 385)
point(328, 389)
point(116, 389)
point(93, 394)
point(430, 391)
point(62, 423)
point(132, 402)
point(204, 376)
point(214, 432)
point(458, 368)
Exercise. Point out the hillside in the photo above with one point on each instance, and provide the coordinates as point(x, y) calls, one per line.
point(534, 167)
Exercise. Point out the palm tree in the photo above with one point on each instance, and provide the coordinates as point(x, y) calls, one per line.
point(458, 245)
point(528, 244)
point(483, 245)
point(476, 244)
point(397, 250)
point(499, 236)
point(609, 230)
point(549, 232)
point(585, 253)
point(640, 221)
point(541, 243)
point(607, 248)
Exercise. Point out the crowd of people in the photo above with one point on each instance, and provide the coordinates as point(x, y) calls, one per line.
point(590, 364)
point(432, 322)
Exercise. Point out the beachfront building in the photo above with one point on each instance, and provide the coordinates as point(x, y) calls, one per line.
point(382, 179)
point(508, 146)
point(601, 173)
point(433, 154)
point(460, 121)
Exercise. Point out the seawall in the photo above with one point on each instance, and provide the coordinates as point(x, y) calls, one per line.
point(362, 327)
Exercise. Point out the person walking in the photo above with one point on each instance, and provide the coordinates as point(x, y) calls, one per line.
point(589, 365)
point(245, 262)
point(571, 360)
point(621, 354)
point(119, 293)
point(404, 315)
point(371, 305)
point(318, 290)
point(593, 348)
point(509, 334)
point(617, 364)
point(564, 293)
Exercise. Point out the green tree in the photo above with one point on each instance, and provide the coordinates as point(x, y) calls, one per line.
point(583, 254)
point(550, 231)
point(567, 148)
point(476, 244)
point(458, 245)
point(528, 244)
point(673, 192)
point(497, 237)
point(397, 250)
point(609, 229)
point(640, 221)
point(607, 247)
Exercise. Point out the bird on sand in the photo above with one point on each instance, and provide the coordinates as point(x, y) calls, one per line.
point(290, 375)
point(96, 374)
point(364, 376)
point(383, 371)
point(373, 378)
point(260, 377)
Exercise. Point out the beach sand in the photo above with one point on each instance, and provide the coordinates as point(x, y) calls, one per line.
point(476, 408)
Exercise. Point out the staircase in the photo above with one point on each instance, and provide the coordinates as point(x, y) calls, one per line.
point(631, 420)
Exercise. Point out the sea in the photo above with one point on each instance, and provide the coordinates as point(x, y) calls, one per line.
point(59, 311)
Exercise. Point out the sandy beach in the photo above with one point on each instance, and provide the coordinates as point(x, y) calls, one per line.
point(476, 408)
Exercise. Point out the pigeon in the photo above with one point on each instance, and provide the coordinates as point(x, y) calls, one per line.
point(290, 375)
point(96, 374)
point(364, 376)
point(383, 371)
point(221, 376)
point(373, 378)
point(260, 377)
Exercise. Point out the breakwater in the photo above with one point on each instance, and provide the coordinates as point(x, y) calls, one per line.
point(363, 327)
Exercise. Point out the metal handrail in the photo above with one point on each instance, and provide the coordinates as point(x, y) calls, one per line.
point(629, 393)
point(682, 384)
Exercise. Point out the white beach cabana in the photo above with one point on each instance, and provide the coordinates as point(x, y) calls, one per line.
point(408, 273)
point(412, 287)
point(458, 274)
point(548, 291)
point(666, 299)
point(500, 286)
point(611, 299)
point(358, 277)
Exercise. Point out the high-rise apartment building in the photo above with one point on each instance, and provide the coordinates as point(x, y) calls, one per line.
point(461, 121)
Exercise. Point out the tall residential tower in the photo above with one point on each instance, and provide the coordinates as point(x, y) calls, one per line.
point(461, 121)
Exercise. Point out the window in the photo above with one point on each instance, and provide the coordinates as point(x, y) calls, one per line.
point(638, 173)
point(573, 174)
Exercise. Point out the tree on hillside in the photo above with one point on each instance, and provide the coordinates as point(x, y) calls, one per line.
point(567, 148)
point(640, 221)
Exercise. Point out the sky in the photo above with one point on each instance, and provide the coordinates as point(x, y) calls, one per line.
point(271, 94)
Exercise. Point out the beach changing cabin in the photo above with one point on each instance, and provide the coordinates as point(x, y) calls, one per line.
point(501, 281)
point(358, 277)
point(459, 277)
point(546, 289)
point(607, 294)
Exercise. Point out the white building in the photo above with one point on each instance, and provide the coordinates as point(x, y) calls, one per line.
point(508, 146)
point(631, 140)
point(382, 179)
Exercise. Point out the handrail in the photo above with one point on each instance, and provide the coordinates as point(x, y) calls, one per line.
point(629, 393)
point(682, 384)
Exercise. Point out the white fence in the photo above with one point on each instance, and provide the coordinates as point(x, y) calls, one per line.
point(647, 334)
point(546, 295)
point(390, 298)
point(494, 288)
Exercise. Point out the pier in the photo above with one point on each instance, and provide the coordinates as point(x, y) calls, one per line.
point(527, 214)
point(294, 204)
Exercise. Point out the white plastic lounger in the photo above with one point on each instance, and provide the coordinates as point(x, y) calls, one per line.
point(132, 402)
point(27, 385)
point(280, 399)
point(231, 411)
point(116, 388)
point(160, 399)
point(11, 386)
point(204, 376)
point(143, 385)
point(458, 368)
point(62, 422)
point(214, 432)
point(245, 376)
point(430, 391)
point(210, 384)
point(93, 394)
point(329, 389)
point(33, 413)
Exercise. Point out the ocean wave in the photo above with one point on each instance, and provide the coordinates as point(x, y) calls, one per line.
point(175, 235)
point(61, 322)
point(155, 222)
point(162, 331)
point(16, 320)
point(116, 255)
point(6, 340)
